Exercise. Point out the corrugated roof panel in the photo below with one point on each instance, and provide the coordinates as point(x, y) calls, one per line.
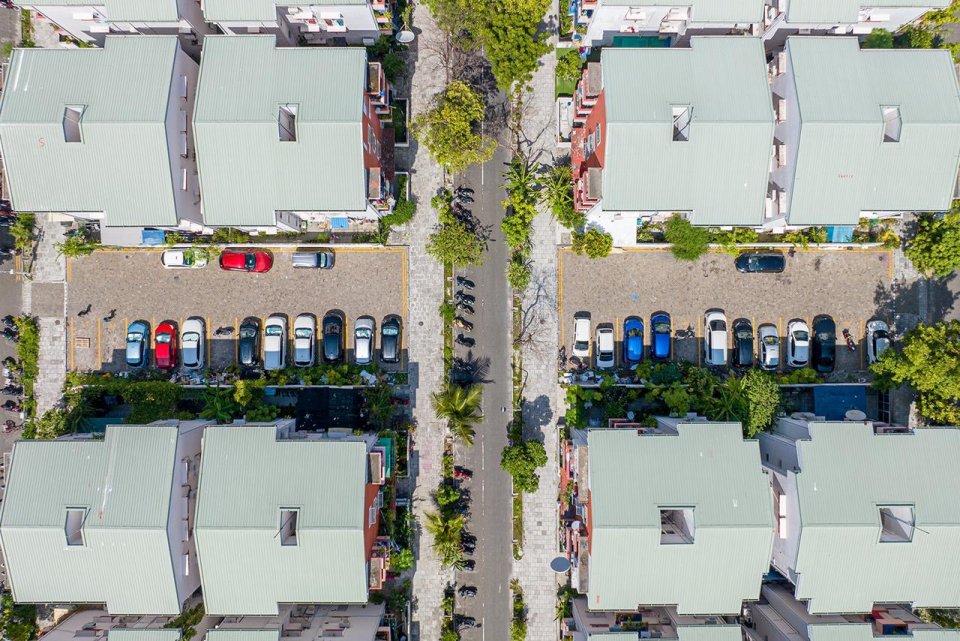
point(126, 10)
point(258, 10)
point(140, 634)
point(864, 632)
point(713, 11)
point(229, 634)
point(834, 12)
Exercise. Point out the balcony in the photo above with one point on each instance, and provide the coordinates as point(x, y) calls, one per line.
point(378, 89)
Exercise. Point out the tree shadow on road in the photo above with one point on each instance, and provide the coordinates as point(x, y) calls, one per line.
point(900, 303)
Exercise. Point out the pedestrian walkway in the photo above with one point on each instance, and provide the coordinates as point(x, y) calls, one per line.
point(44, 297)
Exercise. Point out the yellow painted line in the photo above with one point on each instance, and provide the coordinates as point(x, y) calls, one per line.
point(206, 330)
point(17, 265)
point(560, 296)
point(403, 283)
point(616, 341)
point(71, 337)
point(153, 340)
point(236, 341)
point(69, 268)
point(863, 334)
point(783, 344)
point(99, 343)
point(890, 265)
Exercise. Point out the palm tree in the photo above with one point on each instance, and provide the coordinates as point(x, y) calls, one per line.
point(521, 178)
point(558, 188)
point(218, 404)
point(447, 531)
point(730, 403)
point(459, 405)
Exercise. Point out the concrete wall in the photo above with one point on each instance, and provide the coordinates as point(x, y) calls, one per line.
point(187, 201)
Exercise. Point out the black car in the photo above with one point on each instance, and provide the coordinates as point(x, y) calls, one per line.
point(761, 263)
point(248, 341)
point(332, 330)
point(390, 340)
point(824, 343)
point(742, 343)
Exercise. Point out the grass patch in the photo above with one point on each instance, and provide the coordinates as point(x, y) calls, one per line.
point(26, 29)
point(518, 625)
point(518, 526)
point(28, 353)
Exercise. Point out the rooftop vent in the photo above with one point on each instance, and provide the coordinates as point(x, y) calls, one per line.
point(676, 525)
point(73, 525)
point(892, 124)
point(896, 523)
point(288, 526)
point(71, 123)
point(287, 123)
point(681, 123)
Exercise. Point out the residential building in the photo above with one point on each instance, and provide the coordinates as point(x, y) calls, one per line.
point(90, 21)
point(105, 521)
point(356, 622)
point(675, 515)
point(664, 131)
point(288, 517)
point(294, 139)
point(103, 134)
point(333, 22)
point(861, 132)
point(645, 623)
point(780, 617)
point(663, 22)
point(784, 18)
point(866, 513)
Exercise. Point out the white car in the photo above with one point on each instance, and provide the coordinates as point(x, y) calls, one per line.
point(581, 335)
point(606, 353)
point(363, 332)
point(192, 346)
point(798, 344)
point(878, 340)
point(304, 339)
point(275, 343)
point(183, 258)
point(715, 338)
point(769, 341)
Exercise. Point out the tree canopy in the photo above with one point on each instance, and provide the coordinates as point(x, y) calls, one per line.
point(512, 40)
point(687, 241)
point(450, 129)
point(521, 461)
point(935, 248)
point(459, 406)
point(593, 242)
point(452, 242)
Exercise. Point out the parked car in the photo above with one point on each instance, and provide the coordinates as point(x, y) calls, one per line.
point(363, 333)
point(165, 349)
point(769, 342)
point(193, 343)
point(660, 336)
point(315, 260)
point(824, 343)
point(878, 340)
point(245, 261)
point(606, 351)
point(760, 263)
point(275, 343)
point(304, 338)
point(138, 337)
point(798, 344)
point(332, 329)
point(390, 339)
point(632, 340)
point(581, 335)
point(183, 259)
point(715, 338)
point(248, 347)
point(742, 343)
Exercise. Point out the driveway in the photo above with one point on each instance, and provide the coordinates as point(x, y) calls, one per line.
point(135, 286)
point(851, 286)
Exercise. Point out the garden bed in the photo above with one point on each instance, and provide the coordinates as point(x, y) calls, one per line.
point(400, 121)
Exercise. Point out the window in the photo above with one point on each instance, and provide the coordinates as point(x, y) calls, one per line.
point(183, 87)
point(73, 525)
point(681, 123)
point(288, 526)
point(72, 114)
point(372, 515)
point(287, 123)
point(892, 123)
point(896, 523)
point(676, 525)
point(598, 134)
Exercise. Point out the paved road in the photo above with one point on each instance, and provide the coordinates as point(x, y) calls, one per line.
point(490, 488)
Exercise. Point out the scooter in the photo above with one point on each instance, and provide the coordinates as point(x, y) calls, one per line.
point(12, 406)
point(10, 335)
point(462, 473)
point(223, 331)
point(465, 308)
point(463, 190)
point(463, 323)
point(851, 344)
point(466, 341)
point(462, 198)
point(469, 299)
point(13, 390)
point(466, 283)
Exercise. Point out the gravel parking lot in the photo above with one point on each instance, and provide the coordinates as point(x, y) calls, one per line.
point(848, 285)
point(363, 282)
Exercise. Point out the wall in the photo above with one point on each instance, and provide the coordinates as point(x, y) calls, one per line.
point(776, 34)
point(787, 132)
point(370, 531)
point(187, 202)
point(188, 449)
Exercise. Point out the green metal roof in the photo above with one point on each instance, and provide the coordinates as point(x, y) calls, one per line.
point(246, 172)
point(124, 483)
point(834, 12)
point(843, 166)
point(140, 634)
point(126, 10)
point(232, 634)
point(258, 10)
point(707, 467)
point(722, 11)
point(122, 165)
point(721, 172)
point(247, 477)
point(864, 632)
point(847, 471)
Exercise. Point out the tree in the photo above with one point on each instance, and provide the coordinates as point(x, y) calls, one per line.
point(558, 194)
point(19, 622)
point(447, 531)
point(935, 248)
point(393, 66)
point(687, 241)
point(521, 460)
point(569, 65)
point(730, 403)
point(878, 39)
point(594, 243)
point(218, 405)
point(763, 401)
point(401, 561)
point(518, 273)
point(450, 129)
point(929, 362)
point(77, 245)
point(22, 230)
point(516, 226)
point(459, 406)
point(453, 243)
point(380, 408)
point(511, 37)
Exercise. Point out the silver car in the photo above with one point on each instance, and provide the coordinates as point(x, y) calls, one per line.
point(304, 338)
point(769, 341)
point(363, 333)
point(798, 344)
point(275, 343)
point(581, 335)
point(878, 340)
point(192, 343)
point(715, 338)
point(606, 350)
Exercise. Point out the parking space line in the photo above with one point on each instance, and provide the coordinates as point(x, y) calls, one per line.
point(69, 268)
point(616, 340)
point(695, 341)
point(17, 266)
point(72, 338)
point(99, 344)
point(236, 340)
point(862, 328)
point(206, 329)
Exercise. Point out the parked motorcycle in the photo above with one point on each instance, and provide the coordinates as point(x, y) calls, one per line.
point(10, 335)
point(465, 283)
point(462, 473)
point(469, 299)
point(851, 344)
point(466, 341)
point(467, 591)
point(465, 308)
point(10, 322)
point(223, 331)
point(463, 198)
point(463, 323)
point(12, 390)
point(463, 190)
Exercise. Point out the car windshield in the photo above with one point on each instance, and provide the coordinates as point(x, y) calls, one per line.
point(273, 330)
point(634, 332)
point(390, 331)
point(801, 335)
point(363, 332)
point(827, 337)
point(880, 335)
point(163, 339)
point(662, 328)
point(191, 337)
point(133, 337)
point(581, 345)
point(744, 334)
point(247, 332)
point(770, 340)
point(718, 326)
point(303, 332)
point(249, 261)
point(187, 259)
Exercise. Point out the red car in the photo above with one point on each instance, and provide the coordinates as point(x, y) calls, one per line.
point(246, 261)
point(166, 349)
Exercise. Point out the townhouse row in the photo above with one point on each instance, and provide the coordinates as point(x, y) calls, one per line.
point(820, 133)
point(137, 135)
point(270, 522)
point(817, 530)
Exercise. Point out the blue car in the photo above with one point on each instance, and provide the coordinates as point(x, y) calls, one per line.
point(138, 337)
point(632, 340)
point(660, 342)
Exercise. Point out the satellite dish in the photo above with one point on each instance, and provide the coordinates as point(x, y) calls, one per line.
point(560, 564)
point(406, 37)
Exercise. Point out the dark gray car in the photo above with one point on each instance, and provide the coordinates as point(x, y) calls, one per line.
point(249, 341)
point(332, 329)
point(390, 340)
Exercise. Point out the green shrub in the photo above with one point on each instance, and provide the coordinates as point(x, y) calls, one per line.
point(688, 242)
point(594, 243)
point(22, 231)
point(393, 66)
point(518, 273)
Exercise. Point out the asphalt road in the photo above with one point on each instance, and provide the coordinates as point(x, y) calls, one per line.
point(490, 487)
